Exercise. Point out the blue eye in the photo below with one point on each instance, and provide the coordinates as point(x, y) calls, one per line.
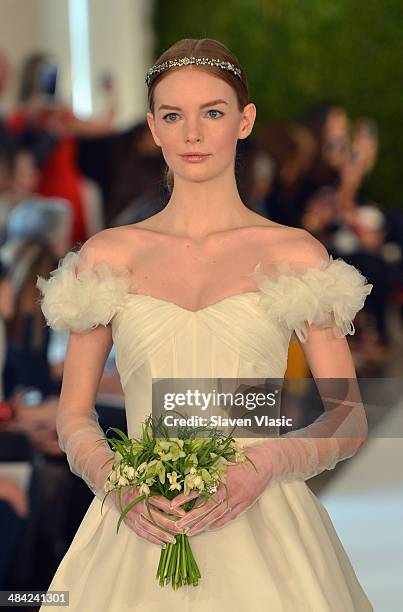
point(173, 114)
point(215, 111)
point(169, 115)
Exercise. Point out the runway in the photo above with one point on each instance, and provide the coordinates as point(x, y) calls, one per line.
point(365, 503)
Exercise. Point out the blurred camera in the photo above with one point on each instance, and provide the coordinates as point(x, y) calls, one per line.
point(48, 80)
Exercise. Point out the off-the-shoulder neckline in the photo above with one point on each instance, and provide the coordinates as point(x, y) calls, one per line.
point(289, 269)
point(234, 296)
point(280, 266)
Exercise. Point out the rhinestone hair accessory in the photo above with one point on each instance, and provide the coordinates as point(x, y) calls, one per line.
point(186, 61)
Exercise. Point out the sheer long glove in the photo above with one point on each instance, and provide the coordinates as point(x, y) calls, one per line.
point(299, 455)
point(80, 437)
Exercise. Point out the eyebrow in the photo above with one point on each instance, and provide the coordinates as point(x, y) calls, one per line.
point(212, 103)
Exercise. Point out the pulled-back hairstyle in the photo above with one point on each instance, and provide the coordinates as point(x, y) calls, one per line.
point(198, 48)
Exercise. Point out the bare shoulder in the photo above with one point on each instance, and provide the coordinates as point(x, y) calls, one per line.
point(303, 247)
point(104, 246)
point(293, 244)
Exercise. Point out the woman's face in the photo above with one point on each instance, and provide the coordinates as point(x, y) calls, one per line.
point(195, 111)
point(26, 174)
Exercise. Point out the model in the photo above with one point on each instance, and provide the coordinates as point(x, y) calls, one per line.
point(206, 288)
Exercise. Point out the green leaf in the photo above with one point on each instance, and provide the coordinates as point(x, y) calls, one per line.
point(128, 508)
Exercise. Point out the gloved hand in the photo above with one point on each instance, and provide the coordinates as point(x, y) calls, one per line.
point(298, 455)
point(138, 518)
point(91, 458)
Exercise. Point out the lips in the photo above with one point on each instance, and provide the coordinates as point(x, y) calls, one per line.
point(195, 156)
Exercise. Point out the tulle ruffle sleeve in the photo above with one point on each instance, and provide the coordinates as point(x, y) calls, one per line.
point(81, 300)
point(328, 295)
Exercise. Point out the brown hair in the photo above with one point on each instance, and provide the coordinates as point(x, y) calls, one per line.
point(201, 47)
point(28, 259)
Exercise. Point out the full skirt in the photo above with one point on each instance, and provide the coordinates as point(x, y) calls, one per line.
point(281, 555)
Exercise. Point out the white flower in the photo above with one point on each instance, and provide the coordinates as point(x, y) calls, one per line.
point(108, 486)
point(113, 476)
point(199, 483)
point(193, 481)
point(164, 444)
point(240, 456)
point(192, 458)
point(129, 471)
point(178, 441)
point(156, 468)
point(116, 468)
point(239, 452)
point(141, 467)
point(123, 482)
point(172, 477)
point(144, 489)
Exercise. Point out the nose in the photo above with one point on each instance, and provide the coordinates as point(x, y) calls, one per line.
point(193, 138)
point(192, 132)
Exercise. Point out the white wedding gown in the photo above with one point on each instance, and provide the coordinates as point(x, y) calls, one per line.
point(282, 554)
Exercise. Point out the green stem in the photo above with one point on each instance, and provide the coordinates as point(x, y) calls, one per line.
point(178, 555)
point(169, 549)
point(177, 564)
point(161, 563)
point(171, 562)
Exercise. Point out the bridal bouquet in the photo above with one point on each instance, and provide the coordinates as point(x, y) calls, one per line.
point(160, 465)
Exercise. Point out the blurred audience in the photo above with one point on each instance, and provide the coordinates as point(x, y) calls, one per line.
point(42, 118)
point(134, 196)
point(27, 338)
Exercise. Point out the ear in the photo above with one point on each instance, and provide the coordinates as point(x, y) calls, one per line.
point(247, 120)
point(151, 125)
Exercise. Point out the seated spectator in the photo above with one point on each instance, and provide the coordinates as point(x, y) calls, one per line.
point(363, 241)
point(292, 150)
point(136, 188)
point(21, 172)
point(41, 218)
point(320, 215)
point(13, 512)
point(26, 335)
point(6, 173)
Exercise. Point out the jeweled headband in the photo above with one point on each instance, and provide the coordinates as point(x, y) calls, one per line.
point(185, 61)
